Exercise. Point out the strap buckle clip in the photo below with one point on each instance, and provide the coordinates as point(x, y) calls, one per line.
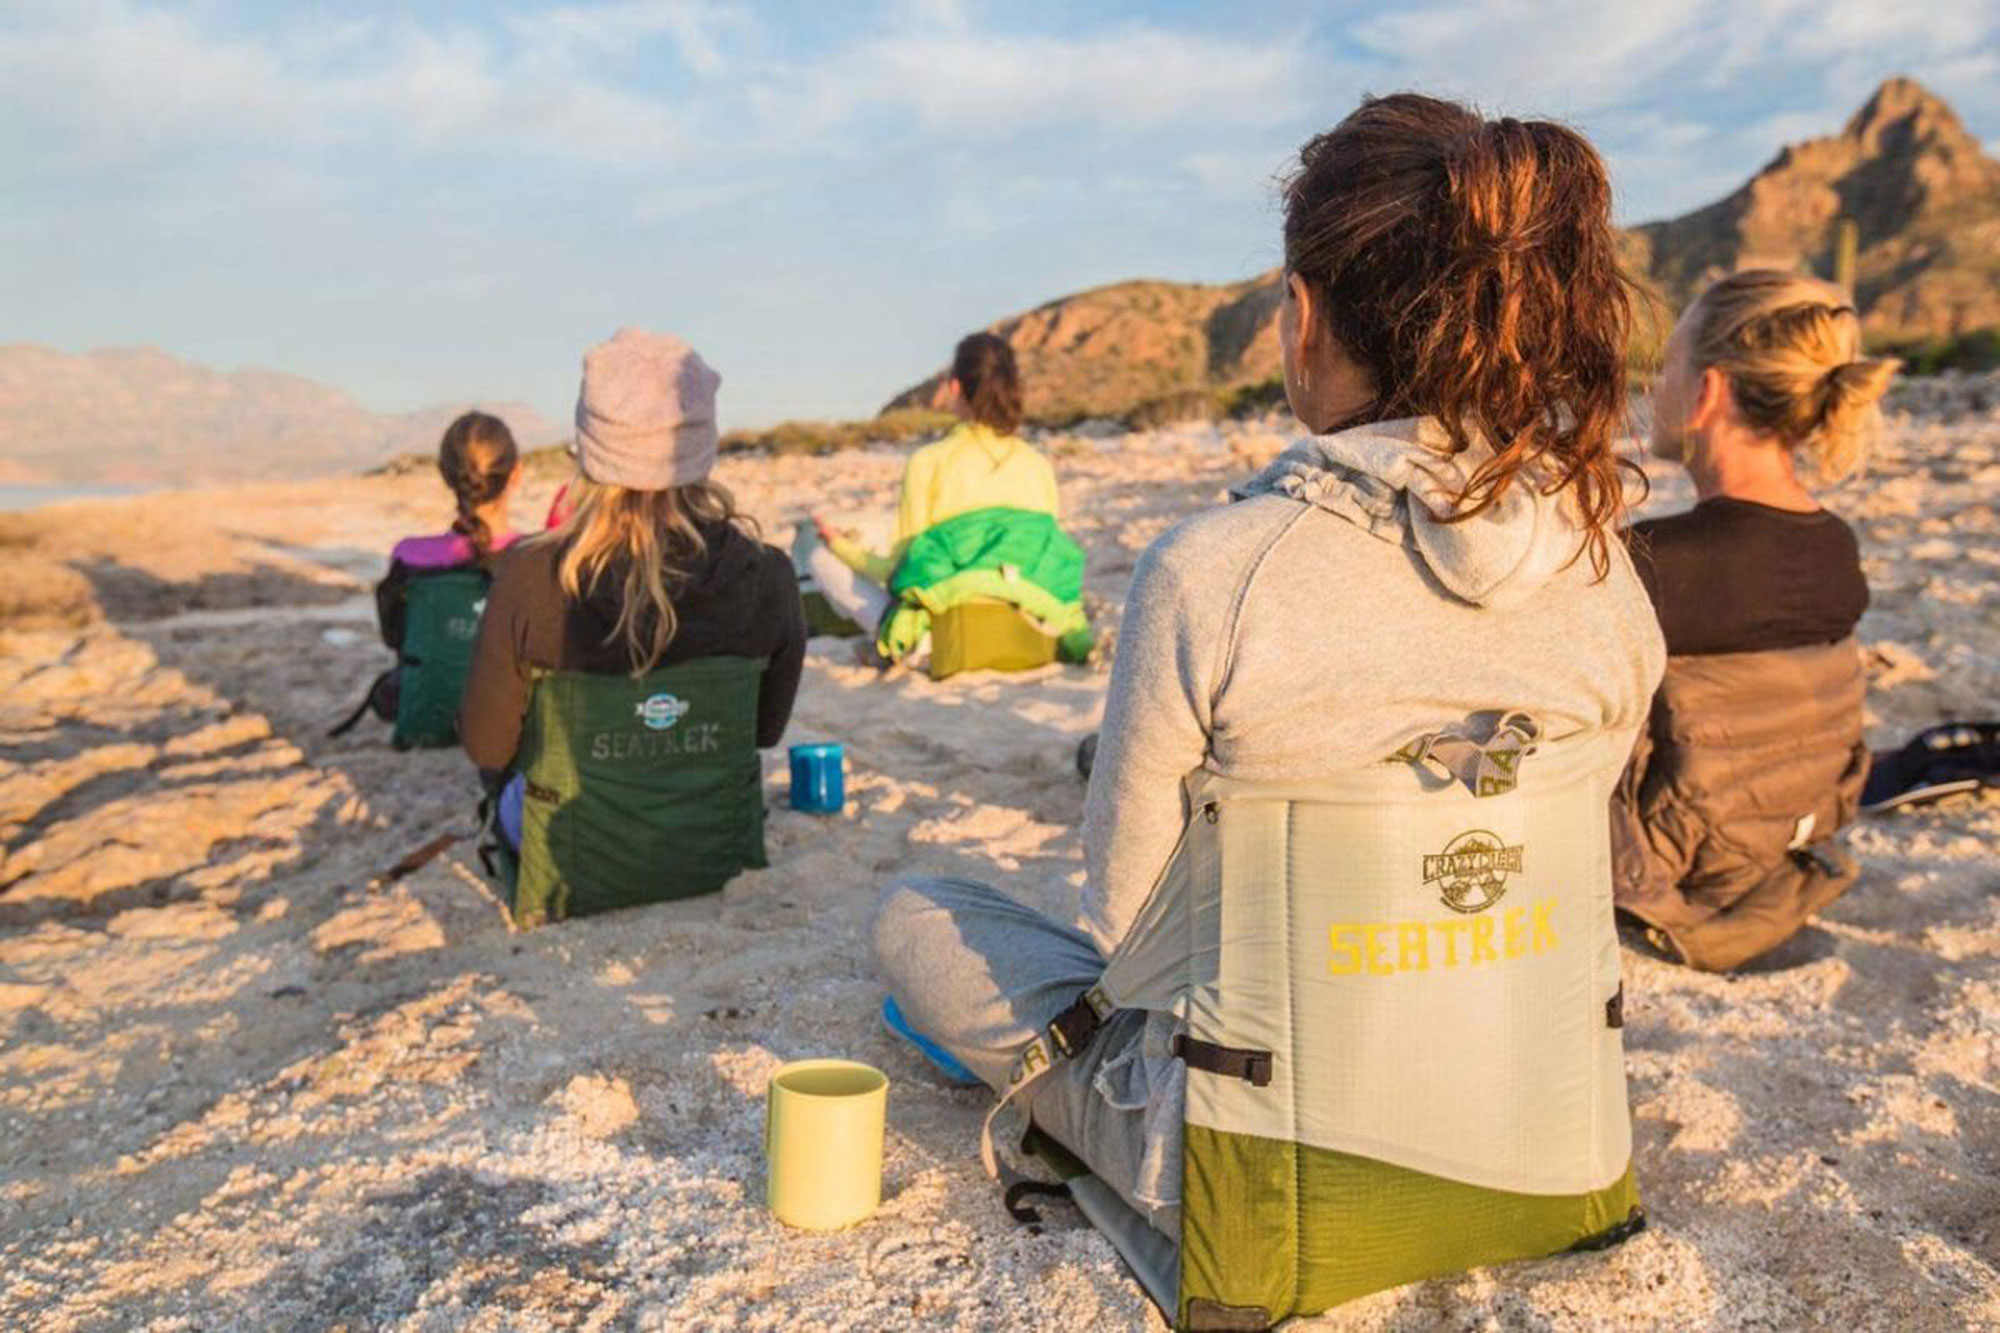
point(1072, 1029)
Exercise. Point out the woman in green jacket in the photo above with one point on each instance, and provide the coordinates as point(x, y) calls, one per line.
point(980, 464)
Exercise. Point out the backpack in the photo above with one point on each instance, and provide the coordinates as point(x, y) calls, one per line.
point(636, 790)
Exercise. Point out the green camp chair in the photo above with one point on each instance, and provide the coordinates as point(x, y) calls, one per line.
point(987, 635)
point(441, 623)
point(637, 790)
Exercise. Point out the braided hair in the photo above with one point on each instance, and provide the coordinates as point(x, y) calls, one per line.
point(477, 458)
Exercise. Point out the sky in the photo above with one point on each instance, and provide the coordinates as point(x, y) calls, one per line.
point(432, 203)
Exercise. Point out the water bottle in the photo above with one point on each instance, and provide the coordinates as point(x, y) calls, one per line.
point(818, 785)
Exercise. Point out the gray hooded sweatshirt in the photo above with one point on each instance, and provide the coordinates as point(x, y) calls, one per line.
point(1328, 617)
point(1320, 623)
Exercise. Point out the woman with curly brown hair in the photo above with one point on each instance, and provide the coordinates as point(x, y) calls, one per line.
point(1436, 559)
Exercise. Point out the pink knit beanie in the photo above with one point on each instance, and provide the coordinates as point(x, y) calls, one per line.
point(645, 416)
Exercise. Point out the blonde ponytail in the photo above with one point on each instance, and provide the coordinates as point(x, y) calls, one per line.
point(1791, 348)
point(656, 536)
point(1852, 416)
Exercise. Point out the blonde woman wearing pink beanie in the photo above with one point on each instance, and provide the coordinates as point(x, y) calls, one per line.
point(652, 566)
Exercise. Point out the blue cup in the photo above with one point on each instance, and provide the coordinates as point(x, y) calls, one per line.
point(818, 785)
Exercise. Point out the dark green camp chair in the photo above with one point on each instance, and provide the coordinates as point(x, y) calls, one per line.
point(442, 623)
point(420, 694)
point(637, 790)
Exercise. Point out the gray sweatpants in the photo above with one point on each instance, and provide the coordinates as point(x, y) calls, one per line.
point(981, 975)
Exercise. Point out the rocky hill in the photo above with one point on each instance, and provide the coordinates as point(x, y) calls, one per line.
point(1922, 192)
point(1105, 351)
point(139, 416)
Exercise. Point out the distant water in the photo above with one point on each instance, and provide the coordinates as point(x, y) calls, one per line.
point(19, 496)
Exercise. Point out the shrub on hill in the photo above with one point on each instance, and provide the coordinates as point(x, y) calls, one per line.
point(897, 426)
point(1975, 351)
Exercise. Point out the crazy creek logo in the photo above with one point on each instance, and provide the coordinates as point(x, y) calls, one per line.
point(662, 711)
point(1471, 872)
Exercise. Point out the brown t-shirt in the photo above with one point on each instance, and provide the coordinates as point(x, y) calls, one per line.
point(1734, 576)
point(740, 599)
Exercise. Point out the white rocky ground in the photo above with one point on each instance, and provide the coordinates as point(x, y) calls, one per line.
point(240, 1088)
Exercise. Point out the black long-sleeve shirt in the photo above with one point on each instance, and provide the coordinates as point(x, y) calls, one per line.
point(1734, 576)
point(741, 599)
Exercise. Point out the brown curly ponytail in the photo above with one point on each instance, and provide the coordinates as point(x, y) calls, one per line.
point(1470, 267)
point(477, 457)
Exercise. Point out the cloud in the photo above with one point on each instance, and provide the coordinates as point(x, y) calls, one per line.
point(1591, 56)
point(1579, 55)
point(696, 29)
point(106, 84)
point(1687, 97)
point(110, 87)
point(117, 82)
point(967, 84)
point(1235, 174)
point(458, 92)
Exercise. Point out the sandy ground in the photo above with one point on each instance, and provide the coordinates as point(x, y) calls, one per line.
point(239, 1088)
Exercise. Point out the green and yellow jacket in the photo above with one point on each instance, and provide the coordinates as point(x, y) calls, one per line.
point(1016, 556)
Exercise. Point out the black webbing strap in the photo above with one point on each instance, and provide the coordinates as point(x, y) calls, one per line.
point(1253, 1067)
point(1066, 1035)
point(1022, 1190)
point(361, 709)
point(1634, 1223)
point(490, 837)
point(1072, 1029)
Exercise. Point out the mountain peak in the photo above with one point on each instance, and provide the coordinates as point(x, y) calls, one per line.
point(1919, 188)
point(1902, 114)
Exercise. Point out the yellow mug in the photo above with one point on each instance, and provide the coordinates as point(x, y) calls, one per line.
point(823, 1124)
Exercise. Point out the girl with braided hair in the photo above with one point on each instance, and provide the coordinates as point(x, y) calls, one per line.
point(445, 575)
point(481, 466)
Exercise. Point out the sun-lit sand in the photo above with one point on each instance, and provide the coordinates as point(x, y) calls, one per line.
point(239, 1088)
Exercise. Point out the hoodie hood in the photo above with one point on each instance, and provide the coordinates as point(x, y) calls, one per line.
point(1399, 481)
